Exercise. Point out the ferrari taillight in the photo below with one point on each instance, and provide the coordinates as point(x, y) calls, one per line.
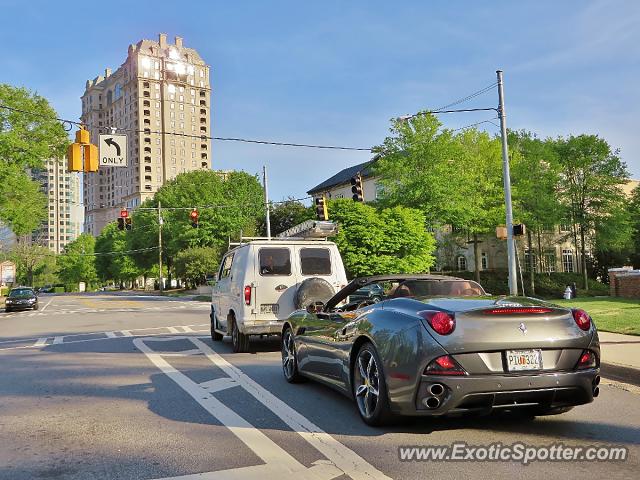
point(444, 365)
point(583, 320)
point(588, 359)
point(247, 295)
point(441, 322)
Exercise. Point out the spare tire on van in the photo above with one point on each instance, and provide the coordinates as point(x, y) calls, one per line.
point(313, 290)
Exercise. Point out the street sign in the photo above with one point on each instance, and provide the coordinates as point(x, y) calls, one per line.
point(113, 150)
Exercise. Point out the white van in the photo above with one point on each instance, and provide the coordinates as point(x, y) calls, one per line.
point(261, 282)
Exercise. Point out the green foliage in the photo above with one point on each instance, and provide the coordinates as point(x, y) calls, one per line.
point(194, 264)
point(381, 240)
point(286, 215)
point(634, 222)
point(26, 140)
point(114, 263)
point(229, 204)
point(77, 264)
point(30, 260)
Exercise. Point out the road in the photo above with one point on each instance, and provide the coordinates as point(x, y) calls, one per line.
point(113, 386)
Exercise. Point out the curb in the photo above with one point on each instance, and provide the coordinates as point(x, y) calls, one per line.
point(620, 373)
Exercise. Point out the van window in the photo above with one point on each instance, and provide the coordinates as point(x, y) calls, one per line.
point(315, 261)
point(225, 268)
point(275, 261)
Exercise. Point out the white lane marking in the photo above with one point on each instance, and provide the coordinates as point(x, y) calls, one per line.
point(126, 333)
point(218, 384)
point(187, 329)
point(173, 330)
point(57, 340)
point(45, 307)
point(265, 448)
point(345, 459)
point(110, 334)
point(41, 342)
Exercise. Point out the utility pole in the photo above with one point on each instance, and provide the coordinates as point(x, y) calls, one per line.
point(511, 251)
point(160, 247)
point(266, 200)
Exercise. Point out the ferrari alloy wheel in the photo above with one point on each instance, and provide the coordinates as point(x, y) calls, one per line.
point(369, 386)
point(289, 360)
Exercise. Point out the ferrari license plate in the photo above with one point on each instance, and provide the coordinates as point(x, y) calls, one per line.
point(268, 308)
point(520, 360)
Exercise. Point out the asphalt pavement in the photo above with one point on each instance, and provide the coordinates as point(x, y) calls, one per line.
point(131, 386)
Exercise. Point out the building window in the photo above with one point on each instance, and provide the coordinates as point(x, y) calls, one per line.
point(528, 258)
point(550, 261)
point(462, 263)
point(484, 261)
point(565, 227)
point(567, 260)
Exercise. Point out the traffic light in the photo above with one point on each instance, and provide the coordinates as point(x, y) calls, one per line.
point(128, 223)
point(322, 213)
point(90, 158)
point(74, 157)
point(519, 230)
point(120, 223)
point(193, 216)
point(356, 188)
point(124, 220)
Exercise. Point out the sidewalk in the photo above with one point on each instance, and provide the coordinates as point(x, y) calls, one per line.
point(620, 357)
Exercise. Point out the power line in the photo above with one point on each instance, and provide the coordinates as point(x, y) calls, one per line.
point(469, 97)
point(477, 123)
point(188, 135)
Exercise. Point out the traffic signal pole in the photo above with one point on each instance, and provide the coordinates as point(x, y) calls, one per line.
point(266, 200)
point(511, 250)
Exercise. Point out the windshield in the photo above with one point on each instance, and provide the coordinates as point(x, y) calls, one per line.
point(21, 292)
point(437, 288)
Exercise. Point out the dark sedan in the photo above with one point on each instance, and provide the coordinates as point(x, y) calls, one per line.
point(439, 345)
point(21, 298)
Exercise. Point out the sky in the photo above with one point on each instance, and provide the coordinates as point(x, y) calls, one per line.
point(336, 72)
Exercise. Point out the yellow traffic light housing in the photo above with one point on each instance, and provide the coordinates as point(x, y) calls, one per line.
point(322, 212)
point(90, 158)
point(82, 136)
point(74, 157)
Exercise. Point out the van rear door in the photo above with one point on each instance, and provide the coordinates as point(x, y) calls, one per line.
point(275, 286)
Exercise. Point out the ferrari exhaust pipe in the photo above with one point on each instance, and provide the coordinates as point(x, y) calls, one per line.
point(596, 392)
point(596, 381)
point(431, 402)
point(436, 389)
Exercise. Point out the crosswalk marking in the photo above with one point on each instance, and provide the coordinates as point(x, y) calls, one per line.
point(41, 342)
point(57, 340)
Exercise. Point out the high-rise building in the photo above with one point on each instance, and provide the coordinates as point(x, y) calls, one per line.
point(65, 214)
point(161, 98)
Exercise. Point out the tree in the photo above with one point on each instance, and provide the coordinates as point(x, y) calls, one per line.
point(113, 261)
point(30, 260)
point(535, 177)
point(194, 264)
point(29, 134)
point(453, 179)
point(228, 204)
point(381, 240)
point(77, 264)
point(592, 178)
point(285, 215)
point(634, 221)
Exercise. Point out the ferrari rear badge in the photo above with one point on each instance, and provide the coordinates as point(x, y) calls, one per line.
point(523, 328)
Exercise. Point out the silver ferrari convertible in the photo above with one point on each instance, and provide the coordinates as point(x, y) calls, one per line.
point(436, 345)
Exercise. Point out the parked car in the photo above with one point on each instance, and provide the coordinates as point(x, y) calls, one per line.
point(439, 345)
point(372, 292)
point(259, 283)
point(21, 298)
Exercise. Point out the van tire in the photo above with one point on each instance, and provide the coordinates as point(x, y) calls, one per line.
point(215, 336)
point(239, 340)
point(313, 290)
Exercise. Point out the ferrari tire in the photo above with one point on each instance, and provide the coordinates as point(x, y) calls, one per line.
point(369, 387)
point(239, 340)
point(289, 357)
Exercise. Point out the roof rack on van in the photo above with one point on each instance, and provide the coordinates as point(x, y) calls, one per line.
point(314, 230)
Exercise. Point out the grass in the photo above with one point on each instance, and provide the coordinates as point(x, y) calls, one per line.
point(610, 314)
